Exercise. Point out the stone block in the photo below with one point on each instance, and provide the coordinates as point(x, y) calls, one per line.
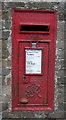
point(65, 106)
point(60, 65)
point(64, 89)
point(0, 115)
point(57, 114)
point(0, 87)
point(3, 81)
point(60, 94)
point(60, 31)
point(16, 114)
point(4, 4)
point(4, 106)
point(61, 53)
point(0, 71)
point(0, 27)
point(12, 5)
point(7, 25)
point(65, 115)
point(5, 54)
point(0, 35)
point(61, 73)
point(0, 15)
point(60, 98)
point(61, 106)
point(5, 71)
point(0, 97)
point(5, 114)
point(5, 98)
point(60, 80)
point(17, 4)
point(6, 92)
point(65, 56)
point(5, 35)
point(0, 46)
point(65, 44)
point(64, 72)
point(26, 114)
point(0, 5)
point(5, 15)
point(8, 81)
point(6, 63)
point(60, 45)
point(64, 96)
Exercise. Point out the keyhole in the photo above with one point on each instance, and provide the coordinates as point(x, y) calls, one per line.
point(24, 77)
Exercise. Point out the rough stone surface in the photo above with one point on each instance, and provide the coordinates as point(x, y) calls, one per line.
point(33, 1)
point(7, 6)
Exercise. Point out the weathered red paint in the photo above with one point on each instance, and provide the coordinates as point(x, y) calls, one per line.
point(33, 91)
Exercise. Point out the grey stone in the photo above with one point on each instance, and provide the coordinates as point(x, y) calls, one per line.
point(57, 114)
point(0, 107)
point(5, 99)
point(4, 106)
point(5, 54)
point(5, 114)
point(5, 15)
point(0, 5)
point(60, 80)
point(6, 24)
point(61, 73)
point(60, 45)
point(0, 115)
point(61, 98)
point(5, 35)
point(61, 106)
point(0, 25)
point(5, 71)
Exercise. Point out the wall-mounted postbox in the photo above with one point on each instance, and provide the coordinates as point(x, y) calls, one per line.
point(33, 57)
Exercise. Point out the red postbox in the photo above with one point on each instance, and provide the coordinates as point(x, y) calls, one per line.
point(33, 58)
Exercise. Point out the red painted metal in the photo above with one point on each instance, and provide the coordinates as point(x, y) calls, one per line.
point(33, 91)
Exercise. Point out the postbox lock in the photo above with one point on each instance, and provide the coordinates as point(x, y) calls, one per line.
point(25, 79)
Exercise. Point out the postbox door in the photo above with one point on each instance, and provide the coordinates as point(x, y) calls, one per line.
point(33, 73)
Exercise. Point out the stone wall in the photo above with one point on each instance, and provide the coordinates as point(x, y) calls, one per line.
point(6, 45)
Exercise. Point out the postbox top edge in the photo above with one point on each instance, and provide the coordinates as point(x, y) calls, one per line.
point(30, 10)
